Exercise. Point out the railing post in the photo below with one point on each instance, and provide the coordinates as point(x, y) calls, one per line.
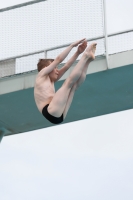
point(105, 34)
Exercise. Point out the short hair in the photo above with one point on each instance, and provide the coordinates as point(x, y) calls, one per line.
point(42, 63)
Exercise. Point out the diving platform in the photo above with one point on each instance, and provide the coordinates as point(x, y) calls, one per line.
point(104, 91)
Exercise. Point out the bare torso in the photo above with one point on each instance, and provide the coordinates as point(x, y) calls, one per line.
point(44, 91)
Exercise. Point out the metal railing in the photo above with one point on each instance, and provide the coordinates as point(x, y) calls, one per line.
point(62, 46)
point(20, 5)
point(105, 36)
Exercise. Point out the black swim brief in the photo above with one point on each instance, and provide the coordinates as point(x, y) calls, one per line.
point(52, 119)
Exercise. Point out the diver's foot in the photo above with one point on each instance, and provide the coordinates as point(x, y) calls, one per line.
point(90, 51)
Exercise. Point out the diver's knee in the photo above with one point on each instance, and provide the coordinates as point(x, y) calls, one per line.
point(69, 82)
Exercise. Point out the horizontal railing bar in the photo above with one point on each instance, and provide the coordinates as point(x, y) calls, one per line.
point(120, 32)
point(20, 5)
point(65, 45)
point(48, 49)
point(62, 46)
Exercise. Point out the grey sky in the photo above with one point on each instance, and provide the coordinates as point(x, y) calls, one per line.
point(88, 159)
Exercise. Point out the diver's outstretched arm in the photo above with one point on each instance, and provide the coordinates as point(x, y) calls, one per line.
point(60, 58)
point(69, 63)
point(64, 54)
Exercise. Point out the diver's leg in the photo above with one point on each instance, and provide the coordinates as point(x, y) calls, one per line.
point(59, 101)
point(74, 88)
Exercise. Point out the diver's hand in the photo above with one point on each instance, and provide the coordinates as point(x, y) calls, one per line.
point(75, 44)
point(82, 47)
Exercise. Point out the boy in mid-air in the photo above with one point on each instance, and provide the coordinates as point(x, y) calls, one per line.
point(55, 105)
